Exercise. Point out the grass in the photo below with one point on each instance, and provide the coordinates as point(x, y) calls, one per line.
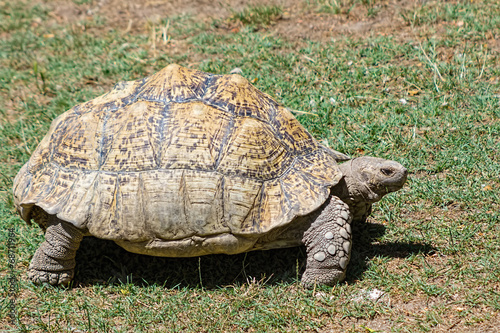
point(372, 7)
point(256, 17)
point(431, 102)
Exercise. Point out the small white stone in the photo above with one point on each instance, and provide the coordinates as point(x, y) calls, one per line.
point(403, 101)
point(348, 228)
point(236, 70)
point(320, 294)
point(331, 249)
point(343, 263)
point(329, 235)
point(375, 294)
point(346, 246)
point(344, 233)
point(332, 100)
point(320, 256)
point(344, 215)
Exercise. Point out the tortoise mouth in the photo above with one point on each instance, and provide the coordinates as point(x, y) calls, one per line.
point(393, 188)
point(397, 181)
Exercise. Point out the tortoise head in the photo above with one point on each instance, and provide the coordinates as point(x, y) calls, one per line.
point(368, 179)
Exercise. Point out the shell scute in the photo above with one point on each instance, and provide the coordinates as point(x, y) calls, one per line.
point(124, 142)
point(196, 133)
point(123, 93)
point(292, 133)
point(319, 168)
point(174, 84)
point(182, 203)
point(253, 151)
point(74, 147)
point(234, 94)
point(273, 209)
point(241, 209)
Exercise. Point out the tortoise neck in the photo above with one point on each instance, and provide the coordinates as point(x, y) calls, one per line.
point(354, 189)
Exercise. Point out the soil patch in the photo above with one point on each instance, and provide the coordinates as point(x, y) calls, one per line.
point(300, 20)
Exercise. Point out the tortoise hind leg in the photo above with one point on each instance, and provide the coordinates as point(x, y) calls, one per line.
point(328, 244)
point(54, 260)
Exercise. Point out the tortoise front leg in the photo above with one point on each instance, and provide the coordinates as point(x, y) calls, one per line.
point(54, 261)
point(328, 244)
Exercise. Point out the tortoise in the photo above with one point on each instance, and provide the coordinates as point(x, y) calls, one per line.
point(185, 163)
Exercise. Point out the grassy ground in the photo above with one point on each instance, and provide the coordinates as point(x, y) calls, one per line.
point(420, 85)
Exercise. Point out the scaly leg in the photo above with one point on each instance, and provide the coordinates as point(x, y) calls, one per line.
point(328, 242)
point(54, 261)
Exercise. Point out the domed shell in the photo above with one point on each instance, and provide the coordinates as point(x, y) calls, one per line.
point(177, 155)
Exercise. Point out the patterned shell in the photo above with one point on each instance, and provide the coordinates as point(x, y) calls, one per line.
point(178, 154)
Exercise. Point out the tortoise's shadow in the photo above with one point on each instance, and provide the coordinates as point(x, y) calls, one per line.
point(104, 262)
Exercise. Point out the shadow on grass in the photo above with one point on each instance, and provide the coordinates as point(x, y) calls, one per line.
point(104, 262)
point(365, 247)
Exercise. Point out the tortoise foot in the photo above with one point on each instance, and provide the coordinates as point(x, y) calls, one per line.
point(53, 278)
point(326, 277)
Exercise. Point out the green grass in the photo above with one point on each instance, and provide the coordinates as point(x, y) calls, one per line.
point(431, 103)
point(372, 7)
point(256, 17)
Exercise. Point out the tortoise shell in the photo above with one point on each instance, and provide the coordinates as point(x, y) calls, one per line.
point(177, 155)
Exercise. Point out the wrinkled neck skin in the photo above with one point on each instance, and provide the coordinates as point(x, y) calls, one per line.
point(348, 192)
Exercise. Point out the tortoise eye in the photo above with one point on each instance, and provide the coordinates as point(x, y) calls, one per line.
point(386, 172)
